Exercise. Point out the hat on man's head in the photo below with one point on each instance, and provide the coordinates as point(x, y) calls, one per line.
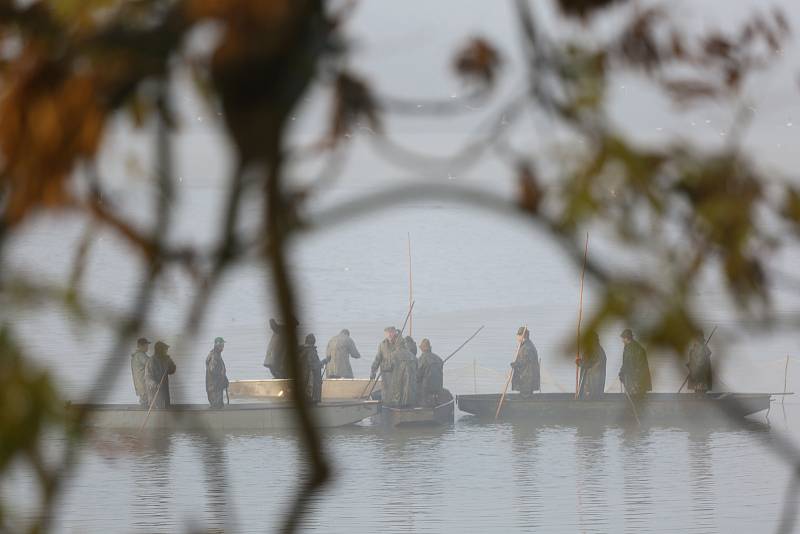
point(142, 341)
point(627, 333)
point(523, 331)
point(160, 345)
point(218, 340)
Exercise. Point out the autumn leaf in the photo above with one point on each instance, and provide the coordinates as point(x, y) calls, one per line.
point(585, 8)
point(478, 61)
point(353, 101)
point(530, 193)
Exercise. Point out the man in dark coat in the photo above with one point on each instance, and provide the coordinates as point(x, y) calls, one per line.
point(382, 361)
point(699, 365)
point(411, 345)
point(216, 377)
point(339, 351)
point(311, 369)
point(138, 363)
point(277, 350)
point(430, 375)
point(156, 374)
point(403, 366)
point(635, 371)
point(593, 369)
point(525, 367)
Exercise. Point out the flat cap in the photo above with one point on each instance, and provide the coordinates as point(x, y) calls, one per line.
point(627, 333)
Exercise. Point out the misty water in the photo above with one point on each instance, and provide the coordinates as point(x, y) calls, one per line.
point(469, 269)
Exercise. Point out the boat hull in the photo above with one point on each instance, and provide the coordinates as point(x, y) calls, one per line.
point(253, 417)
point(443, 414)
point(275, 388)
point(614, 408)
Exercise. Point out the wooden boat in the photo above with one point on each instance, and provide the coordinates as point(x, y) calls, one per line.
point(442, 414)
point(251, 416)
point(332, 388)
point(616, 408)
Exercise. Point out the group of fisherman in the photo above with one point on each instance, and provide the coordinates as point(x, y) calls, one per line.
point(634, 373)
point(407, 380)
point(151, 374)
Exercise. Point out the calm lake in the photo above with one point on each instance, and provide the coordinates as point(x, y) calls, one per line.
point(469, 270)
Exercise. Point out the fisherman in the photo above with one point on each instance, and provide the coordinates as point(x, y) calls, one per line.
point(593, 369)
point(411, 345)
point(635, 372)
point(139, 361)
point(382, 361)
point(699, 365)
point(216, 377)
point(430, 375)
point(277, 350)
point(340, 349)
point(156, 373)
point(525, 378)
point(311, 369)
point(404, 374)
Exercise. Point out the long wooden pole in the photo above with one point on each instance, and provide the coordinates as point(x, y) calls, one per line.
point(580, 317)
point(462, 345)
point(510, 375)
point(152, 402)
point(410, 287)
point(633, 406)
point(503, 396)
point(785, 377)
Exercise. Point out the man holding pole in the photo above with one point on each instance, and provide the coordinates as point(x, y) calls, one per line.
point(430, 375)
point(383, 359)
point(699, 365)
point(139, 361)
point(635, 371)
point(593, 369)
point(526, 377)
point(156, 374)
point(216, 377)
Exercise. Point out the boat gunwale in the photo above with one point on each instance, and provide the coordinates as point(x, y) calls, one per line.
point(244, 406)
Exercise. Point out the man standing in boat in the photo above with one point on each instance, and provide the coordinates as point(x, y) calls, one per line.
point(277, 350)
point(593, 369)
point(404, 375)
point(216, 377)
point(699, 365)
point(382, 361)
point(635, 371)
point(525, 378)
point(139, 361)
point(311, 370)
point(430, 376)
point(339, 351)
point(411, 345)
point(157, 372)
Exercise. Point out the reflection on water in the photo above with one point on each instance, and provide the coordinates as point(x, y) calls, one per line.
point(701, 481)
point(591, 459)
point(471, 477)
point(527, 476)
